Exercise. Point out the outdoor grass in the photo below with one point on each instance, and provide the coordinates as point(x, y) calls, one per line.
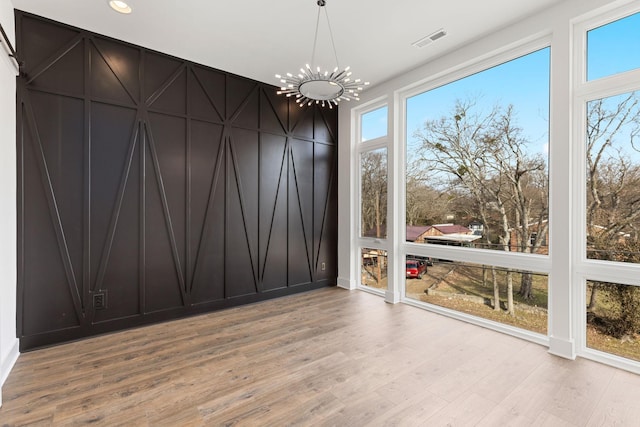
point(369, 277)
point(627, 346)
point(467, 280)
point(529, 314)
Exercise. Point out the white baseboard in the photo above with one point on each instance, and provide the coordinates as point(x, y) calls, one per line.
point(392, 297)
point(562, 348)
point(346, 283)
point(8, 363)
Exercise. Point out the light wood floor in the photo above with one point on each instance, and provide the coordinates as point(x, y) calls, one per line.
point(328, 357)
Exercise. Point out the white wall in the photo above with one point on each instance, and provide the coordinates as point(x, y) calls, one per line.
point(8, 340)
point(555, 24)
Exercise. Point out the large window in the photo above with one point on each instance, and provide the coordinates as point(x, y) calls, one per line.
point(477, 177)
point(372, 149)
point(503, 200)
point(610, 122)
point(476, 151)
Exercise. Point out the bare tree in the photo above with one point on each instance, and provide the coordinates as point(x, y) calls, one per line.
point(425, 205)
point(374, 193)
point(374, 202)
point(527, 176)
point(613, 180)
point(485, 154)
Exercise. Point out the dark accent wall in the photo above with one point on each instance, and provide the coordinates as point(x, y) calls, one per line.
point(151, 188)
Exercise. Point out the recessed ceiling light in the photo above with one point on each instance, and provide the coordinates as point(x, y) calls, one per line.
point(120, 6)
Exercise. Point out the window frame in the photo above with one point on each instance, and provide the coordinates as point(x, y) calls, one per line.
point(362, 147)
point(586, 269)
point(524, 261)
point(557, 26)
point(513, 260)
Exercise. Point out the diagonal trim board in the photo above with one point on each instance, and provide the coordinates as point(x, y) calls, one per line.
point(53, 59)
point(309, 254)
point(113, 67)
point(325, 212)
point(206, 92)
point(241, 195)
point(165, 206)
point(275, 204)
point(206, 228)
point(54, 210)
point(115, 214)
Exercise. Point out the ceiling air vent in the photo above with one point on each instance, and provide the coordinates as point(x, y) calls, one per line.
point(430, 38)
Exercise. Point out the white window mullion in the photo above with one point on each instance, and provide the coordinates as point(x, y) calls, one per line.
point(561, 335)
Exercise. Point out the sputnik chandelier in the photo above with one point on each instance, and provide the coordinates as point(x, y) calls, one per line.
point(315, 85)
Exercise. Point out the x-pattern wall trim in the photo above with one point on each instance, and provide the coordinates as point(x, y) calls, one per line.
point(199, 189)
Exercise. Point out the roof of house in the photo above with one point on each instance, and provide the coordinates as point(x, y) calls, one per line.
point(415, 231)
point(451, 228)
point(454, 237)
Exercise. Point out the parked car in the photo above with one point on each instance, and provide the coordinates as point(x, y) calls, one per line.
point(426, 259)
point(416, 268)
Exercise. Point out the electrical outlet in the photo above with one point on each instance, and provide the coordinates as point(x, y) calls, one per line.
point(323, 267)
point(100, 300)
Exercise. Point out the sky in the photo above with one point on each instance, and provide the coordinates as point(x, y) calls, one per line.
point(522, 82)
point(614, 48)
point(374, 124)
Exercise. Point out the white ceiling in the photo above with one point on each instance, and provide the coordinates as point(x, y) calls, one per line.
point(259, 38)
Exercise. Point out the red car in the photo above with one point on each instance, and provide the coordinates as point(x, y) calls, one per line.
point(416, 268)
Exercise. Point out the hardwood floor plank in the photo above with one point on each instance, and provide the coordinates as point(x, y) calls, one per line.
point(311, 412)
point(533, 392)
point(504, 378)
point(576, 397)
point(359, 411)
point(502, 416)
point(327, 357)
point(466, 410)
point(546, 419)
point(615, 408)
point(412, 409)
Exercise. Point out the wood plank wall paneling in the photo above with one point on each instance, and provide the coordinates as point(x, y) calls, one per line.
point(160, 188)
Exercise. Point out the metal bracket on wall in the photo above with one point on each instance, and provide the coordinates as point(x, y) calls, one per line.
point(11, 51)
